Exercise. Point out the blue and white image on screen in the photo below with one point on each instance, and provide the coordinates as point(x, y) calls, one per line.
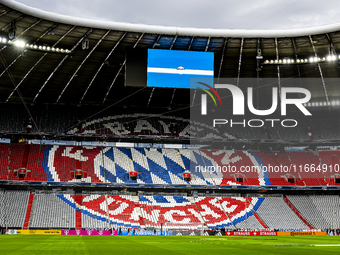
point(174, 69)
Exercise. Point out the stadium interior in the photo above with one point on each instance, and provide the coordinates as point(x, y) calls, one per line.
point(82, 149)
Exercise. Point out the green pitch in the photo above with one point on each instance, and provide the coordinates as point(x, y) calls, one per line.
point(100, 245)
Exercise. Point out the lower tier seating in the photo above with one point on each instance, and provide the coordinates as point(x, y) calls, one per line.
point(59, 211)
point(276, 214)
point(49, 211)
point(13, 207)
point(169, 211)
point(305, 205)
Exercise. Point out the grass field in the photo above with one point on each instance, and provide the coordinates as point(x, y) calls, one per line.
point(21, 244)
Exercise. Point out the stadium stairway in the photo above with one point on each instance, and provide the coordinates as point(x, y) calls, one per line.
point(28, 211)
point(218, 200)
point(200, 217)
point(297, 212)
point(260, 220)
point(107, 209)
point(135, 199)
point(299, 182)
point(78, 157)
point(213, 213)
point(179, 158)
point(146, 212)
point(257, 216)
point(25, 157)
point(79, 201)
point(4, 161)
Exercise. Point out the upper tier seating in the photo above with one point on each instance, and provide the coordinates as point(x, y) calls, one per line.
point(4, 161)
point(271, 161)
point(309, 176)
point(58, 163)
point(330, 162)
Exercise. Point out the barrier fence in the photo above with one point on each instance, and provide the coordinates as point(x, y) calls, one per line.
point(158, 233)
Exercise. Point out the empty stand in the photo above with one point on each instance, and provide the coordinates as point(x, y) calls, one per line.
point(297, 212)
point(276, 214)
point(330, 161)
point(35, 163)
point(272, 163)
point(29, 211)
point(13, 207)
point(241, 212)
point(59, 211)
point(306, 207)
point(93, 219)
point(52, 211)
point(59, 119)
point(213, 214)
point(4, 161)
point(58, 163)
point(307, 166)
point(169, 211)
point(329, 207)
point(16, 158)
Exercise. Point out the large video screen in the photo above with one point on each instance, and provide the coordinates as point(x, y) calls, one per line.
point(174, 69)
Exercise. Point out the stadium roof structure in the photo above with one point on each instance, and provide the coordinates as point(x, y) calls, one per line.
point(53, 58)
